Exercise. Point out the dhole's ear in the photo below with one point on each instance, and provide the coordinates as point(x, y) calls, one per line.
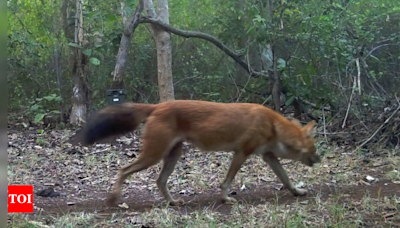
point(308, 130)
point(297, 122)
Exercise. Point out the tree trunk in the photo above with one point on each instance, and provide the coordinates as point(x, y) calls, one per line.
point(69, 30)
point(80, 96)
point(164, 55)
point(277, 83)
point(57, 62)
point(129, 28)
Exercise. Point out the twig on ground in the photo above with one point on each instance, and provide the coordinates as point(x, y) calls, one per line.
point(100, 151)
point(287, 163)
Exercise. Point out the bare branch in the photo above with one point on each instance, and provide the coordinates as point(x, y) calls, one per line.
point(378, 47)
point(358, 75)
point(377, 130)
point(185, 33)
point(349, 105)
point(133, 20)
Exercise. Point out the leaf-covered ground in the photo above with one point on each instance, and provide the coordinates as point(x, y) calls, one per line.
point(348, 189)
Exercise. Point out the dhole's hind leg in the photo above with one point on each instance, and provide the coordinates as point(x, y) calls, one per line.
point(170, 161)
point(156, 143)
point(276, 166)
point(237, 161)
point(142, 162)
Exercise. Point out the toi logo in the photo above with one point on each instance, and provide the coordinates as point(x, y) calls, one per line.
point(20, 199)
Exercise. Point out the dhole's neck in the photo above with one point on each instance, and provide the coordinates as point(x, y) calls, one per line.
point(288, 133)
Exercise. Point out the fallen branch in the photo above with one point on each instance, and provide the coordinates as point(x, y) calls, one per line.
point(185, 33)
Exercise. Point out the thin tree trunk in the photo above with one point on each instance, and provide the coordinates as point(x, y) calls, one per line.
point(80, 97)
point(69, 30)
point(59, 79)
point(277, 85)
point(164, 53)
point(276, 80)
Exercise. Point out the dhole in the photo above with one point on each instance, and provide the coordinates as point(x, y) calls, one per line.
point(244, 128)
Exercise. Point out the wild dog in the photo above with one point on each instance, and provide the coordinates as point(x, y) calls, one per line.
point(243, 128)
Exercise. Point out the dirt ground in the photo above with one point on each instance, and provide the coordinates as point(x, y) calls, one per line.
point(142, 201)
point(361, 186)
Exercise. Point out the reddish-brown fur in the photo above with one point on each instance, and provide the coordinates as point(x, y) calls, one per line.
point(240, 127)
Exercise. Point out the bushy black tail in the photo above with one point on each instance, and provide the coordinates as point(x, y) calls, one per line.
point(112, 121)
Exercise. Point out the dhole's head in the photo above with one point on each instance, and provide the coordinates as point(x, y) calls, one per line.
point(307, 148)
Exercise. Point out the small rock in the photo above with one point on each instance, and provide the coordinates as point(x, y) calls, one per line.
point(369, 178)
point(123, 205)
point(305, 202)
point(243, 187)
point(300, 184)
point(38, 224)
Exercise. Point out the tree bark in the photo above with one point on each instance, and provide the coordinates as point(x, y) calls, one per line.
point(164, 52)
point(130, 25)
point(57, 62)
point(277, 83)
point(66, 14)
point(80, 96)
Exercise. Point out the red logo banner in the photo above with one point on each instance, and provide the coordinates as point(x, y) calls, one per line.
point(20, 198)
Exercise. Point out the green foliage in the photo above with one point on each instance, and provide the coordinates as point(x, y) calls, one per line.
point(75, 45)
point(296, 220)
point(315, 44)
point(44, 106)
point(41, 138)
point(95, 61)
point(318, 43)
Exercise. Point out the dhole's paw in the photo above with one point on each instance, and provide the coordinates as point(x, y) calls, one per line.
point(229, 201)
point(299, 192)
point(111, 200)
point(178, 202)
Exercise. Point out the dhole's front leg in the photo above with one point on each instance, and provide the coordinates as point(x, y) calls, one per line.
point(237, 161)
point(276, 166)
